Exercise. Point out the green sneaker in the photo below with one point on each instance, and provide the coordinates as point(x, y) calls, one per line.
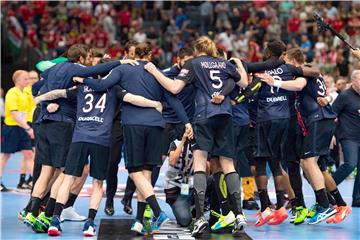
point(191, 225)
point(147, 218)
point(301, 214)
point(312, 211)
point(30, 220)
point(42, 222)
point(224, 222)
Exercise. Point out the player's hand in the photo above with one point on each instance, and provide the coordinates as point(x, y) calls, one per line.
point(78, 79)
point(356, 53)
point(233, 103)
point(322, 101)
point(184, 137)
point(218, 99)
point(129, 61)
point(264, 77)
point(52, 107)
point(106, 56)
point(159, 107)
point(30, 132)
point(150, 67)
point(189, 131)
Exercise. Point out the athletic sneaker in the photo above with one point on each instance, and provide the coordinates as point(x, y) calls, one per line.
point(263, 217)
point(278, 216)
point(43, 222)
point(30, 220)
point(54, 229)
point(147, 218)
point(240, 223)
point(158, 222)
point(200, 226)
point(139, 228)
point(223, 221)
point(23, 187)
point(127, 206)
point(313, 210)
point(109, 207)
point(322, 214)
point(250, 204)
point(22, 215)
point(341, 214)
point(89, 228)
point(69, 214)
point(301, 214)
point(3, 188)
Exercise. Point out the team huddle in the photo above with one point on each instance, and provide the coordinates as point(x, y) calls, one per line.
point(220, 122)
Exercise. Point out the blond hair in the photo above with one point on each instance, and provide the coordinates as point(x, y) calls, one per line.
point(17, 74)
point(205, 45)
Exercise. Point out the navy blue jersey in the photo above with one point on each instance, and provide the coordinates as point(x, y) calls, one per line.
point(273, 103)
point(252, 108)
point(209, 76)
point(240, 111)
point(137, 80)
point(186, 97)
point(309, 107)
point(95, 114)
point(61, 76)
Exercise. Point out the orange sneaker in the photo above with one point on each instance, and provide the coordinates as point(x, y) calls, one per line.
point(341, 214)
point(263, 217)
point(331, 219)
point(278, 216)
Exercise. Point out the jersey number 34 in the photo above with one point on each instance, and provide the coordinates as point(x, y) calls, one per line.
point(89, 103)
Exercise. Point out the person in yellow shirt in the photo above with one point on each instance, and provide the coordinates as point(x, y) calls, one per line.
point(17, 133)
point(31, 105)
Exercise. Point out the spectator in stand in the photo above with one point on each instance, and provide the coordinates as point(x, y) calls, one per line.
point(227, 39)
point(222, 20)
point(294, 23)
point(347, 106)
point(306, 47)
point(172, 28)
point(330, 88)
point(140, 36)
point(180, 19)
point(341, 85)
point(125, 16)
point(206, 16)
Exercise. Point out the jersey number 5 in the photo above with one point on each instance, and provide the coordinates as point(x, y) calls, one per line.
point(217, 83)
point(89, 103)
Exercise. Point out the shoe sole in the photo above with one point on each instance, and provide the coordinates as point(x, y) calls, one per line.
point(29, 224)
point(54, 232)
point(89, 235)
point(342, 219)
point(71, 220)
point(201, 231)
point(266, 220)
point(162, 224)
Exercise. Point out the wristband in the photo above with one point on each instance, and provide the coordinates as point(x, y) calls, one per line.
point(277, 83)
point(328, 98)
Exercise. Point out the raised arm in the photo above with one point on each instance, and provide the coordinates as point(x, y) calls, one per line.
point(243, 74)
point(174, 154)
point(295, 85)
point(137, 100)
point(253, 67)
point(54, 94)
point(83, 71)
point(173, 86)
point(101, 85)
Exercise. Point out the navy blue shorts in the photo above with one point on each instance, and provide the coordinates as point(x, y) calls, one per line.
point(14, 139)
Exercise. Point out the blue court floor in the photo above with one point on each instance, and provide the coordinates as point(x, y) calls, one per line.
point(12, 202)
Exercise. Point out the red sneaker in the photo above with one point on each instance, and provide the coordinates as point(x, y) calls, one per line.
point(263, 217)
point(54, 231)
point(341, 214)
point(278, 216)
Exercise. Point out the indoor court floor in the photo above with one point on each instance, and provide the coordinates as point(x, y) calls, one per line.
point(117, 227)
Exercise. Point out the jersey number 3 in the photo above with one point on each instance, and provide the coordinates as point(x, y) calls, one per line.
point(89, 103)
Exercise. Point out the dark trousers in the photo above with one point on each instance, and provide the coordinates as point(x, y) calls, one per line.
point(115, 158)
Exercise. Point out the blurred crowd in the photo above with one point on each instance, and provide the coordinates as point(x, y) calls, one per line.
point(240, 28)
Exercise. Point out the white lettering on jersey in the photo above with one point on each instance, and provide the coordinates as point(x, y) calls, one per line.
point(91, 119)
point(276, 99)
point(277, 71)
point(210, 65)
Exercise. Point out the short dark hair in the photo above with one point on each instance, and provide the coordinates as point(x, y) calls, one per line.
point(96, 52)
point(142, 50)
point(130, 44)
point(296, 54)
point(221, 52)
point(276, 47)
point(183, 52)
point(76, 51)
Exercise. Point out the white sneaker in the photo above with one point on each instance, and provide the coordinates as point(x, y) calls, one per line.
point(69, 214)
